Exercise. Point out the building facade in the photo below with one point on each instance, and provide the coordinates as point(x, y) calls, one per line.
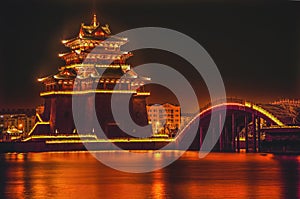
point(164, 118)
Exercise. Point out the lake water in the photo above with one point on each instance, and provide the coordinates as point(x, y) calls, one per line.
point(80, 175)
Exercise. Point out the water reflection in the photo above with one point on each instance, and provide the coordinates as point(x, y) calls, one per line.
point(80, 175)
point(289, 167)
point(158, 189)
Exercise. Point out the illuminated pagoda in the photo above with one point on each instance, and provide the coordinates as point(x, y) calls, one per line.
point(85, 64)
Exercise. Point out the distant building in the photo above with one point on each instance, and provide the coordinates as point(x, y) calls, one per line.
point(14, 124)
point(164, 118)
point(295, 102)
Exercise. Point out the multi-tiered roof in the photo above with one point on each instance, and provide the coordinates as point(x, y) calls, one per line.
point(104, 65)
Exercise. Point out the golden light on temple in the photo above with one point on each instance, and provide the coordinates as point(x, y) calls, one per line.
point(83, 69)
point(39, 117)
point(95, 23)
point(93, 91)
point(34, 127)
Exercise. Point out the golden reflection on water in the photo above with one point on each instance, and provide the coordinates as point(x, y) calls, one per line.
point(80, 175)
point(158, 190)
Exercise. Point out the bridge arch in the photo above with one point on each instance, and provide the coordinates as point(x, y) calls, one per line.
point(246, 107)
point(249, 115)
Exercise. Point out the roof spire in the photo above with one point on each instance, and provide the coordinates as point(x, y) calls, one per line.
point(95, 22)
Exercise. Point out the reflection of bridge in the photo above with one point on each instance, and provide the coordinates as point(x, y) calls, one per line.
point(246, 124)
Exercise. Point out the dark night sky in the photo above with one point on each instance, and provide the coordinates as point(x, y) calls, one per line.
point(255, 44)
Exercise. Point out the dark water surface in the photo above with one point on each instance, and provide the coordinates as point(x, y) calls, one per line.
point(80, 175)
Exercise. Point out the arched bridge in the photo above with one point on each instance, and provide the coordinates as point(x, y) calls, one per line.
point(244, 123)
